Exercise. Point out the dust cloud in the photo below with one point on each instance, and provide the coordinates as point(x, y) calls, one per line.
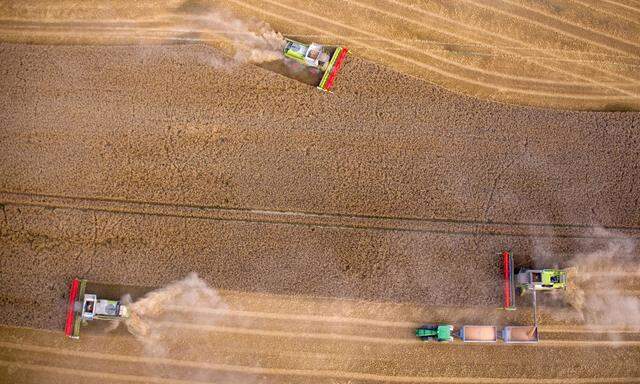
point(150, 314)
point(601, 282)
point(233, 38)
point(251, 40)
point(169, 323)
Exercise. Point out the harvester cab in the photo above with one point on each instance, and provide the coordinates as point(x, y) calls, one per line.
point(541, 280)
point(84, 307)
point(94, 308)
point(312, 55)
point(327, 59)
point(434, 332)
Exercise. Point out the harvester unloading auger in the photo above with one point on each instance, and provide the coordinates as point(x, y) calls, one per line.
point(324, 58)
point(84, 307)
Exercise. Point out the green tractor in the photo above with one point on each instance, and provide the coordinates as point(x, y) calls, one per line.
point(435, 332)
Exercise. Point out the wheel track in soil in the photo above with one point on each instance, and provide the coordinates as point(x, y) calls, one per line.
point(530, 14)
point(332, 220)
point(368, 322)
point(492, 73)
point(153, 36)
point(569, 23)
point(91, 374)
point(303, 218)
point(419, 63)
point(126, 32)
point(245, 369)
point(629, 79)
point(622, 5)
point(371, 339)
point(153, 25)
point(517, 42)
point(458, 35)
point(476, 30)
point(363, 330)
point(596, 9)
point(493, 5)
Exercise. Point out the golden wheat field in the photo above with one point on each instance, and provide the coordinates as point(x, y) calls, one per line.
point(143, 142)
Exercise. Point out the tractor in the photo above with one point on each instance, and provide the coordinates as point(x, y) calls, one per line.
point(435, 332)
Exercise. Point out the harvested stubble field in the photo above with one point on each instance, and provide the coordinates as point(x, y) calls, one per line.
point(332, 225)
point(568, 54)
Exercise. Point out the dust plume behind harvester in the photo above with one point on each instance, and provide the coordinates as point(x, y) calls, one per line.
point(141, 309)
point(322, 62)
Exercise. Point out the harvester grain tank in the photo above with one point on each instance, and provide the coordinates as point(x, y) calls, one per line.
point(541, 279)
point(84, 307)
point(324, 58)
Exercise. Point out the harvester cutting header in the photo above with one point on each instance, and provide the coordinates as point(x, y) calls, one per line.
point(325, 59)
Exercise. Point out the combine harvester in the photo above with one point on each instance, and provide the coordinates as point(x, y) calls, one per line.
point(325, 59)
point(84, 307)
point(528, 280)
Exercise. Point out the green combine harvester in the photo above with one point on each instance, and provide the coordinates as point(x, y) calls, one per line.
point(323, 58)
point(435, 332)
point(529, 280)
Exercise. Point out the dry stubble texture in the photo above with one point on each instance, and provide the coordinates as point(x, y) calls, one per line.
point(580, 54)
point(388, 195)
point(138, 165)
